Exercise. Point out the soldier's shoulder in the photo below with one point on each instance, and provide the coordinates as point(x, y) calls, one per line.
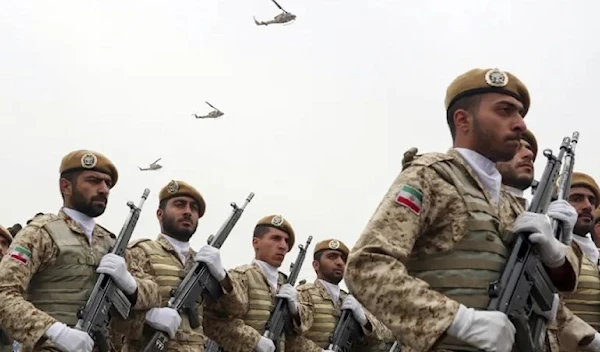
point(107, 231)
point(39, 221)
point(429, 159)
point(135, 243)
point(243, 269)
point(283, 276)
point(309, 286)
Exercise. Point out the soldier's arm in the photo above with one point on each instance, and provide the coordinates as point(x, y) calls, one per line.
point(376, 273)
point(378, 331)
point(305, 311)
point(138, 264)
point(235, 302)
point(299, 343)
point(29, 252)
point(148, 295)
point(574, 333)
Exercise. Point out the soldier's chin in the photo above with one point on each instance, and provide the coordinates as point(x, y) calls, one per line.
point(95, 210)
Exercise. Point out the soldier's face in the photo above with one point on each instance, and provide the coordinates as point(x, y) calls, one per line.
point(330, 267)
point(596, 234)
point(272, 247)
point(518, 172)
point(498, 126)
point(3, 246)
point(89, 193)
point(180, 217)
point(583, 200)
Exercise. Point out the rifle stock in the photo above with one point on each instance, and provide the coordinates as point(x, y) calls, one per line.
point(197, 282)
point(106, 297)
point(280, 317)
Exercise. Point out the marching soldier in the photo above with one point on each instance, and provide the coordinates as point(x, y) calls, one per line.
point(324, 300)
point(167, 259)
point(424, 262)
point(237, 326)
point(55, 261)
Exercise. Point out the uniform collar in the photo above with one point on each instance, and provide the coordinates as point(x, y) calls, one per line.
point(486, 171)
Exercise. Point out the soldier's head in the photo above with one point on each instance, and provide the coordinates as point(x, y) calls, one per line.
point(86, 178)
point(584, 196)
point(5, 240)
point(596, 228)
point(273, 238)
point(485, 111)
point(519, 171)
point(180, 207)
point(329, 260)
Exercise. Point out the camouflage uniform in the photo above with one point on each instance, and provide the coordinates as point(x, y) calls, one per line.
point(33, 278)
point(391, 269)
point(321, 316)
point(237, 323)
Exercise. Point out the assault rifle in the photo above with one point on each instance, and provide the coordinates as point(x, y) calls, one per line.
point(396, 347)
point(346, 331)
point(280, 318)
point(94, 317)
point(211, 346)
point(198, 281)
point(525, 292)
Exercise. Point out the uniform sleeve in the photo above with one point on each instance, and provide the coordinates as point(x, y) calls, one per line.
point(30, 252)
point(223, 320)
point(138, 265)
point(380, 332)
point(306, 312)
point(376, 273)
point(571, 329)
point(299, 343)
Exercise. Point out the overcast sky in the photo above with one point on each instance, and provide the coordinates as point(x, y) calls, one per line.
point(317, 113)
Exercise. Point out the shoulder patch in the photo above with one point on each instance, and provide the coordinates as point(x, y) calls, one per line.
point(41, 220)
point(134, 243)
point(20, 254)
point(410, 197)
point(429, 159)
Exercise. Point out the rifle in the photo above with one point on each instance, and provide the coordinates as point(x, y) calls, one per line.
point(197, 281)
point(211, 346)
point(5, 339)
point(94, 317)
point(524, 291)
point(396, 347)
point(280, 316)
point(564, 183)
point(346, 330)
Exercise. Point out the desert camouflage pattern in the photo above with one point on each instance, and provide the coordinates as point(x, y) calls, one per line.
point(21, 318)
point(376, 273)
point(237, 323)
point(318, 326)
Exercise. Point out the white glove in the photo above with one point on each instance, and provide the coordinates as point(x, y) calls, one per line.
point(288, 292)
point(490, 331)
point(164, 319)
point(357, 310)
point(593, 346)
point(552, 251)
point(563, 211)
point(327, 351)
point(211, 257)
point(265, 345)
point(68, 339)
point(114, 265)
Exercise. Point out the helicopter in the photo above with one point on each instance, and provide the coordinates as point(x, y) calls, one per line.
point(153, 166)
point(216, 113)
point(283, 17)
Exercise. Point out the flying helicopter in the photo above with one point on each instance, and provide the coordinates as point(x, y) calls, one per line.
point(283, 17)
point(216, 113)
point(153, 166)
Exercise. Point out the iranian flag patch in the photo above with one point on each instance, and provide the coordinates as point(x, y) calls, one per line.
point(21, 254)
point(411, 198)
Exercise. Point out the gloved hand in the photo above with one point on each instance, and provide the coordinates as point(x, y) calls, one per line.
point(288, 292)
point(593, 346)
point(114, 265)
point(551, 251)
point(563, 211)
point(265, 345)
point(164, 319)
point(357, 310)
point(211, 257)
point(68, 339)
point(490, 331)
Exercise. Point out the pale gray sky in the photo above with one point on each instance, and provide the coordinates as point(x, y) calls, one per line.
point(318, 113)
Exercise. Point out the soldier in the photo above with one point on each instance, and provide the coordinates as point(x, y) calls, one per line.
point(424, 262)
point(54, 262)
point(324, 300)
point(5, 240)
point(167, 259)
point(237, 326)
point(584, 196)
point(596, 227)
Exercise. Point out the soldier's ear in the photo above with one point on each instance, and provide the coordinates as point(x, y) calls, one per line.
point(463, 120)
point(315, 265)
point(159, 214)
point(66, 187)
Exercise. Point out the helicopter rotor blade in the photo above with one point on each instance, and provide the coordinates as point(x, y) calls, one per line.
point(281, 8)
